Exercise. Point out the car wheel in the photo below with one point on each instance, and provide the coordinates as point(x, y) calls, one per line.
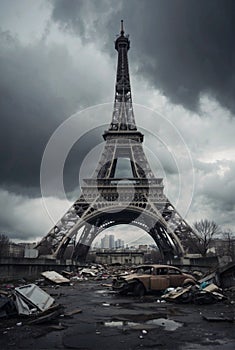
point(139, 290)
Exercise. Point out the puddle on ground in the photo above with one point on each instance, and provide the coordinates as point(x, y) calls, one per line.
point(124, 325)
point(101, 291)
point(119, 323)
point(218, 345)
point(168, 325)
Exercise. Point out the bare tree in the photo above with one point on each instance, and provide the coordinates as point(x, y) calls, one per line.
point(206, 230)
point(229, 244)
point(4, 245)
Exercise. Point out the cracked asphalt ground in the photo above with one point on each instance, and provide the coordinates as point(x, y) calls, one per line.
point(110, 321)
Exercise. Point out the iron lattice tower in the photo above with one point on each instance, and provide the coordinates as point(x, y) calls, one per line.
point(106, 200)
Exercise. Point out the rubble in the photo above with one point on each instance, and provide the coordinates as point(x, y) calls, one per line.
point(195, 294)
point(55, 277)
point(89, 272)
point(33, 306)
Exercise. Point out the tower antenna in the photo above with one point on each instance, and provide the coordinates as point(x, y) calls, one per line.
point(122, 28)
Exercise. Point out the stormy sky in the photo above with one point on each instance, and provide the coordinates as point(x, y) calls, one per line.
point(57, 60)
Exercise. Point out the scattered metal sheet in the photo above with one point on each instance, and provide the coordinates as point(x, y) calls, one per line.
point(55, 277)
point(35, 296)
point(22, 307)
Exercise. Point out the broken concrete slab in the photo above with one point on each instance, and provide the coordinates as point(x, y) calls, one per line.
point(55, 277)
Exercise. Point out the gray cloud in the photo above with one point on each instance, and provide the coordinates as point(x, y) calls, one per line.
point(40, 87)
point(219, 186)
point(26, 218)
point(184, 47)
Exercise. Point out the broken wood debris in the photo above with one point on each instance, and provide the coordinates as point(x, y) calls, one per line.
point(45, 318)
point(73, 312)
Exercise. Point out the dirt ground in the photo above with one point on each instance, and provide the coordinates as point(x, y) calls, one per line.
point(110, 321)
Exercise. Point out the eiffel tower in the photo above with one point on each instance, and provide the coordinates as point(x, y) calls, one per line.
point(106, 200)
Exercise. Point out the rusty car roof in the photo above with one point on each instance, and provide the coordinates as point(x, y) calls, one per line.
point(156, 265)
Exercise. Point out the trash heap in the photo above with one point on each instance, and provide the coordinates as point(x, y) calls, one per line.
point(204, 293)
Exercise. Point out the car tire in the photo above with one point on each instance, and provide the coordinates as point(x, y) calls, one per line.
point(139, 290)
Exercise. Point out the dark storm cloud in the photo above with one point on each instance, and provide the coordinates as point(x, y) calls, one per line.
point(184, 47)
point(39, 88)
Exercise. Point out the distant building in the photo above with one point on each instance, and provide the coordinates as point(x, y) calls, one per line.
point(111, 242)
point(120, 257)
point(15, 250)
point(143, 247)
point(119, 243)
point(22, 250)
point(105, 242)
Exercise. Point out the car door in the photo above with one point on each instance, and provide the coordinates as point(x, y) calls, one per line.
point(176, 277)
point(159, 279)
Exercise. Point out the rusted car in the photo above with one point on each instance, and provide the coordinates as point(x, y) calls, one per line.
point(148, 278)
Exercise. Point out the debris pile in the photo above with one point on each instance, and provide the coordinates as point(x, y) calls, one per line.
point(204, 293)
point(95, 272)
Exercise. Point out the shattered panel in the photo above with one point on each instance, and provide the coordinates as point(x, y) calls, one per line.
point(35, 296)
